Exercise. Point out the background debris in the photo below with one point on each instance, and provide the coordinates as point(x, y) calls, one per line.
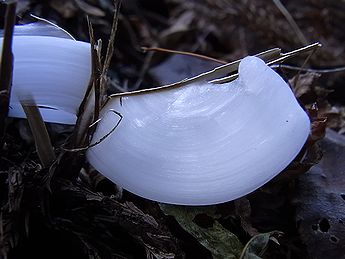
point(200, 223)
point(73, 212)
point(320, 201)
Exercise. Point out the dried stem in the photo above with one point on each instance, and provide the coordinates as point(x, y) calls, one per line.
point(110, 47)
point(291, 21)
point(313, 70)
point(185, 53)
point(217, 72)
point(283, 57)
point(6, 66)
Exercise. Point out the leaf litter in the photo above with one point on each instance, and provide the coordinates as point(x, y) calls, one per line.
point(96, 221)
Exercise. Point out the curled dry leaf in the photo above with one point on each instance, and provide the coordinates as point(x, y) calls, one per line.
point(315, 97)
point(302, 84)
point(256, 246)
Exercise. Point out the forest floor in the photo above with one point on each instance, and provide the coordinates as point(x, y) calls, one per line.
point(71, 211)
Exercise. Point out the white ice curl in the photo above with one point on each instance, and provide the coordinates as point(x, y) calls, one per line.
point(202, 143)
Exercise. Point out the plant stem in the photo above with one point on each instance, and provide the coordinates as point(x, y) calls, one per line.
point(6, 66)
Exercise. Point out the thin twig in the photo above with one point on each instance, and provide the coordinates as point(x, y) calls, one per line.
point(209, 75)
point(90, 107)
point(312, 70)
point(283, 57)
point(6, 66)
point(110, 47)
point(185, 53)
point(87, 107)
point(96, 74)
point(102, 138)
point(295, 81)
point(291, 21)
point(145, 66)
point(291, 54)
point(101, 81)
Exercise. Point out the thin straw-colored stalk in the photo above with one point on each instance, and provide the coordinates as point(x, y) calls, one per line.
point(186, 53)
point(271, 56)
point(291, 21)
point(90, 107)
point(87, 107)
point(217, 72)
point(312, 70)
point(283, 57)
